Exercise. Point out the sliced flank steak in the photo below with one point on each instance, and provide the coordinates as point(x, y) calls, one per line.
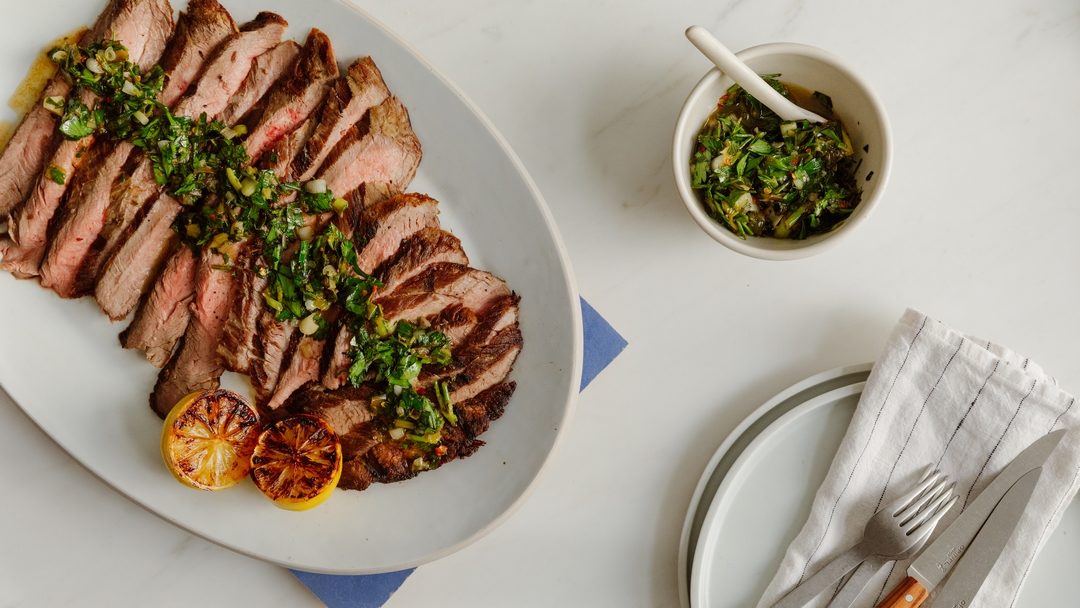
point(370, 456)
point(359, 90)
point(266, 69)
point(36, 136)
point(382, 149)
point(202, 28)
point(317, 65)
point(196, 366)
point(439, 286)
point(381, 230)
point(143, 27)
point(418, 244)
point(132, 267)
point(295, 95)
point(159, 324)
point(345, 410)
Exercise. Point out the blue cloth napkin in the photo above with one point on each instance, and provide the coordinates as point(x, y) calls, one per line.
point(602, 345)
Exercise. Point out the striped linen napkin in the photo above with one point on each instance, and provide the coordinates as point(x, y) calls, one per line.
point(969, 406)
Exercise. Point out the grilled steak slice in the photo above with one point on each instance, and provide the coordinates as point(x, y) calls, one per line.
point(303, 360)
point(135, 264)
point(296, 95)
point(280, 156)
point(345, 410)
point(196, 365)
point(232, 61)
point(161, 322)
point(384, 226)
point(456, 322)
point(128, 274)
point(439, 286)
point(200, 30)
point(475, 415)
point(79, 223)
point(361, 89)
point(384, 150)
point(428, 246)
point(36, 136)
point(501, 313)
point(237, 341)
point(143, 27)
point(485, 365)
point(265, 71)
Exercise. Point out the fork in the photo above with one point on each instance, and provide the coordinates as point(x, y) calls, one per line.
point(851, 588)
point(901, 525)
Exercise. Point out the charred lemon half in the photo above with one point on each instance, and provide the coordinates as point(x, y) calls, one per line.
point(208, 439)
point(297, 462)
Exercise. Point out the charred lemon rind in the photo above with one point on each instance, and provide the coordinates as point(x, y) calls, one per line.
point(207, 439)
point(297, 462)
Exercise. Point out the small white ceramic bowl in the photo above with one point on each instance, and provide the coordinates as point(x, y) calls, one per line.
point(854, 104)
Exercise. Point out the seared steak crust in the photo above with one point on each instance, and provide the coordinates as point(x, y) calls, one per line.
point(351, 97)
point(266, 69)
point(296, 95)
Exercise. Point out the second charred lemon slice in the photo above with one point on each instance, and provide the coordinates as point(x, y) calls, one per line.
point(208, 438)
point(297, 462)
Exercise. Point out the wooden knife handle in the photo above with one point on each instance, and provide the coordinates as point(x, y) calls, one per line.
point(908, 594)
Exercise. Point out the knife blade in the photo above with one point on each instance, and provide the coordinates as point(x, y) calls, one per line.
point(938, 559)
point(968, 576)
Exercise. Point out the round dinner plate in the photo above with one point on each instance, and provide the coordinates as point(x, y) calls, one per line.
point(763, 495)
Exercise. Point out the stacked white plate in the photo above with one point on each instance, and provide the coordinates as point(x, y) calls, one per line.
point(757, 489)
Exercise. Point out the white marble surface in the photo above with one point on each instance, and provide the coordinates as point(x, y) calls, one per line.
point(977, 228)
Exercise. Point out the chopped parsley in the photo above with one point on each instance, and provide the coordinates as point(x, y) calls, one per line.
point(761, 176)
point(56, 174)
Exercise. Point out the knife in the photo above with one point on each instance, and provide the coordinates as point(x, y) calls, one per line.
point(939, 558)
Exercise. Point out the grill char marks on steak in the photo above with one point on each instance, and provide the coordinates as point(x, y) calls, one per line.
point(428, 246)
point(225, 72)
point(196, 365)
point(385, 225)
point(370, 457)
point(266, 69)
point(201, 29)
point(382, 149)
point(361, 89)
point(143, 27)
point(161, 322)
point(296, 95)
point(439, 286)
point(133, 266)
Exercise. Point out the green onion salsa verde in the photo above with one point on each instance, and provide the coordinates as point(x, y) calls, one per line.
point(203, 164)
point(761, 176)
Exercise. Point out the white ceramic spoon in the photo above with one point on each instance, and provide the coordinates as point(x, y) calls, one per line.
point(745, 77)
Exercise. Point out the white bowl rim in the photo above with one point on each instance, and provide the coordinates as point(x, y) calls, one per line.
point(808, 247)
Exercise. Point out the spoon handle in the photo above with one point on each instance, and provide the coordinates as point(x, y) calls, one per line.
point(747, 78)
